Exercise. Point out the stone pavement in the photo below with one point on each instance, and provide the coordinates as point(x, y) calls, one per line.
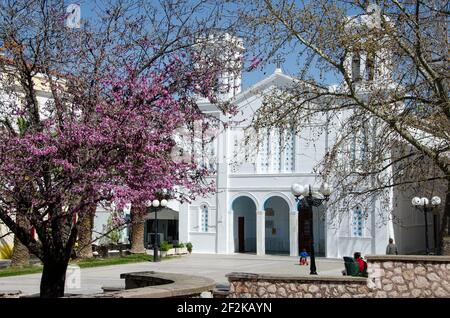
point(209, 265)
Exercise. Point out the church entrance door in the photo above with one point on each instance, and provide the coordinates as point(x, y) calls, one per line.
point(304, 230)
point(244, 225)
point(241, 234)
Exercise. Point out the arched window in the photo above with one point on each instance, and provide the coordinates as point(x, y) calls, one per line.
point(364, 144)
point(276, 139)
point(277, 151)
point(370, 66)
point(357, 222)
point(289, 151)
point(264, 152)
point(204, 217)
point(356, 67)
point(353, 143)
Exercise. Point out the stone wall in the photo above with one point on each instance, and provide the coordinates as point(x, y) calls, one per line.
point(158, 285)
point(446, 245)
point(389, 276)
point(10, 294)
point(245, 285)
point(409, 276)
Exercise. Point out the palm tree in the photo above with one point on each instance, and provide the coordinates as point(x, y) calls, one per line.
point(84, 249)
point(137, 230)
point(20, 255)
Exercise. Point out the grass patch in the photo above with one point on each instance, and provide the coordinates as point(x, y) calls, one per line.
point(83, 263)
point(14, 271)
point(116, 260)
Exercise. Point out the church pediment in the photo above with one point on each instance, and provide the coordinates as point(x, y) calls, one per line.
point(276, 80)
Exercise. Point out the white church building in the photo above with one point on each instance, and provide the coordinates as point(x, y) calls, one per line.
point(253, 209)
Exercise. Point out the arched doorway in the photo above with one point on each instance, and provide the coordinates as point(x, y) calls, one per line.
point(244, 225)
point(306, 233)
point(277, 225)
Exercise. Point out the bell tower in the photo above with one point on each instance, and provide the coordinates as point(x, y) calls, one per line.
point(226, 51)
point(369, 58)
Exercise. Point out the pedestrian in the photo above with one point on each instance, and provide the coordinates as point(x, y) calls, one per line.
point(304, 257)
point(391, 249)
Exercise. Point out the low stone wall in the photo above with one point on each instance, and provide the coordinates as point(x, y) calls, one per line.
point(409, 276)
point(10, 294)
point(245, 285)
point(158, 285)
point(446, 245)
point(389, 276)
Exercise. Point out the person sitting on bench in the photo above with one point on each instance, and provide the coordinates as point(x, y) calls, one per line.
point(355, 266)
point(362, 264)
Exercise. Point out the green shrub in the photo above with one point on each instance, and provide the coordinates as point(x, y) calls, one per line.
point(189, 247)
point(179, 245)
point(165, 246)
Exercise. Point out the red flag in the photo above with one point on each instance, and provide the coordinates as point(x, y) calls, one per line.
point(33, 233)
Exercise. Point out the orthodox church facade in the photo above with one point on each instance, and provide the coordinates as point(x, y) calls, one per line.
point(253, 209)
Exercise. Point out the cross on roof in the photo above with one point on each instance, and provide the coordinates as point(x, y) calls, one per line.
point(278, 60)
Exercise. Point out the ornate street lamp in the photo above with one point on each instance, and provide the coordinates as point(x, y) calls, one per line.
point(313, 197)
point(425, 204)
point(156, 204)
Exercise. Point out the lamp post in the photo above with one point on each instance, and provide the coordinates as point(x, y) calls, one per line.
point(425, 204)
point(155, 204)
point(313, 197)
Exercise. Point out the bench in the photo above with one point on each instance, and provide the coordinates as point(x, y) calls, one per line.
point(352, 268)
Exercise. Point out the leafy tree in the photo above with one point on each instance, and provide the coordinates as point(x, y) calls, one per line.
point(119, 87)
point(390, 62)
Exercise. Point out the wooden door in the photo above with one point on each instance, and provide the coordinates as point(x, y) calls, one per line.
point(241, 234)
point(304, 230)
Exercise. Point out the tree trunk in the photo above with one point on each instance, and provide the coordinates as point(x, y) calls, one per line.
point(445, 226)
point(53, 278)
point(84, 249)
point(137, 231)
point(20, 255)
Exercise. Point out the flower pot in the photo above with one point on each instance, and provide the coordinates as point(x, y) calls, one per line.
point(171, 252)
point(163, 253)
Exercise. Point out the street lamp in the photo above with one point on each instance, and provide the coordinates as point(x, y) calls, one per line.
point(425, 203)
point(313, 196)
point(155, 204)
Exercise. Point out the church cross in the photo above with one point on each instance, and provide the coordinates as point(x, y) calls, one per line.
point(278, 60)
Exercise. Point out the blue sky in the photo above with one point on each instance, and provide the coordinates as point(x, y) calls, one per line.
point(290, 66)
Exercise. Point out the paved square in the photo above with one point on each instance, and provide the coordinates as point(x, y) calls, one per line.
point(209, 265)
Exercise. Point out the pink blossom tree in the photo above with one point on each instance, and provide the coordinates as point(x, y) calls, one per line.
point(52, 170)
point(117, 94)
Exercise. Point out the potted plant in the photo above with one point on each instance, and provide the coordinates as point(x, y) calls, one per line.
point(171, 251)
point(165, 247)
point(182, 249)
point(177, 247)
point(189, 247)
